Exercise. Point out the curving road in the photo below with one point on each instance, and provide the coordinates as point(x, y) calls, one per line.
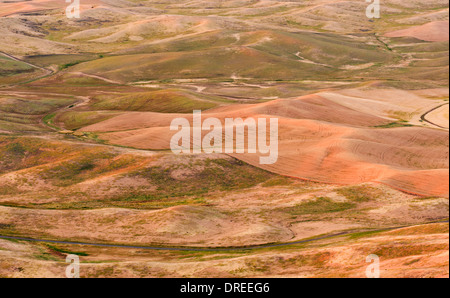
point(423, 117)
point(48, 72)
point(207, 249)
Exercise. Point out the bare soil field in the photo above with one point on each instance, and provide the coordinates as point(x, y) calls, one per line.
point(347, 142)
point(415, 252)
point(434, 31)
point(86, 106)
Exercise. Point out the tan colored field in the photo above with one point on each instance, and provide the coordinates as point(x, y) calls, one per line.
point(363, 158)
point(439, 116)
point(17, 7)
point(434, 31)
point(279, 210)
point(347, 142)
point(415, 252)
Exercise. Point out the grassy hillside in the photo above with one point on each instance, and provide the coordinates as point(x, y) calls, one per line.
point(12, 71)
point(24, 113)
point(362, 106)
point(264, 55)
point(162, 101)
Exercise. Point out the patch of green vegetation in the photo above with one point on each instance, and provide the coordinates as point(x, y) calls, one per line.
point(364, 234)
point(162, 101)
point(360, 193)
point(16, 149)
point(63, 60)
point(195, 43)
point(48, 120)
point(17, 127)
point(257, 266)
point(113, 201)
point(319, 206)
point(395, 124)
point(437, 228)
point(268, 11)
point(408, 85)
point(317, 260)
point(277, 181)
point(22, 152)
point(11, 155)
point(164, 203)
point(208, 255)
point(427, 198)
point(84, 167)
point(428, 47)
point(67, 65)
point(62, 205)
point(33, 107)
point(19, 119)
point(202, 177)
point(74, 120)
point(383, 43)
point(80, 81)
point(13, 151)
point(9, 189)
point(274, 59)
point(6, 227)
point(412, 262)
point(65, 251)
point(17, 114)
point(93, 136)
point(44, 255)
point(323, 49)
point(10, 67)
point(405, 250)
